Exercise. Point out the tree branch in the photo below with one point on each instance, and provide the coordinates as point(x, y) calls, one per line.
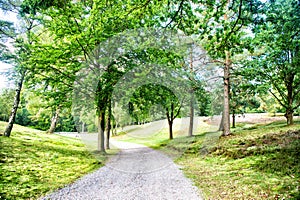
point(178, 111)
point(285, 99)
point(296, 106)
point(176, 14)
point(85, 53)
point(296, 93)
point(168, 116)
point(236, 22)
point(278, 99)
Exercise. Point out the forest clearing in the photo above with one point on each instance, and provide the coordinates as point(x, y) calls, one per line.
point(260, 160)
point(96, 96)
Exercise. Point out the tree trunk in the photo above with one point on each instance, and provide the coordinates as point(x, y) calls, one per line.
point(14, 110)
point(289, 116)
point(170, 130)
point(290, 97)
point(82, 127)
point(233, 119)
point(108, 126)
point(170, 122)
point(101, 127)
point(171, 117)
point(113, 126)
point(226, 119)
point(221, 126)
point(113, 130)
point(191, 126)
point(226, 111)
point(54, 121)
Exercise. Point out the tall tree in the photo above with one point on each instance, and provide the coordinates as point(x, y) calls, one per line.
point(22, 42)
point(221, 26)
point(275, 66)
point(81, 27)
point(152, 94)
point(195, 63)
point(7, 31)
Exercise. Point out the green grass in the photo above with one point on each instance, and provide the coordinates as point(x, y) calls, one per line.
point(33, 163)
point(161, 138)
point(153, 141)
point(259, 161)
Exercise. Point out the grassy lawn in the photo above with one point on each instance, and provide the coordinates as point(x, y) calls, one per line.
point(259, 161)
point(33, 163)
point(256, 162)
point(157, 139)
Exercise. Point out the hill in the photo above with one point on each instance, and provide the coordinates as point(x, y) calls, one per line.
point(259, 161)
point(33, 163)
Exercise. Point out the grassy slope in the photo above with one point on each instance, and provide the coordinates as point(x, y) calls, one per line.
point(256, 162)
point(33, 163)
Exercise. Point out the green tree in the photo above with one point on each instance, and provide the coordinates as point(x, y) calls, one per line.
point(77, 29)
point(275, 68)
point(221, 26)
point(5, 103)
point(242, 97)
point(22, 42)
point(148, 95)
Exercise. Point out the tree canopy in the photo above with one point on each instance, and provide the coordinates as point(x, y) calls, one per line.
point(59, 45)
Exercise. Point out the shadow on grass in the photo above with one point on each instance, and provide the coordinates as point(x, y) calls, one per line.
point(282, 161)
point(274, 154)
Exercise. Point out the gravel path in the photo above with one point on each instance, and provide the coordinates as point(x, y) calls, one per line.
point(137, 172)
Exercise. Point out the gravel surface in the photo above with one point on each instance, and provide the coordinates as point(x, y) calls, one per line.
point(136, 172)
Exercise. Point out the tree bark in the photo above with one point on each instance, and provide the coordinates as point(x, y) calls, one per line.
point(191, 126)
point(221, 126)
point(233, 118)
point(113, 125)
point(226, 112)
point(101, 127)
point(14, 110)
point(54, 121)
point(83, 127)
point(289, 116)
point(290, 98)
point(170, 119)
point(108, 125)
point(170, 130)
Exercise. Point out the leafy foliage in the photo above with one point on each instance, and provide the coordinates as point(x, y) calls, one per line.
point(275, 66)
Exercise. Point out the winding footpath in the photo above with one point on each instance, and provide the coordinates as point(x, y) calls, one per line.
point(135, 173)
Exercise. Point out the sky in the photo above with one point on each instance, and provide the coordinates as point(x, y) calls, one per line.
point(3, 80)
point(3, 66)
